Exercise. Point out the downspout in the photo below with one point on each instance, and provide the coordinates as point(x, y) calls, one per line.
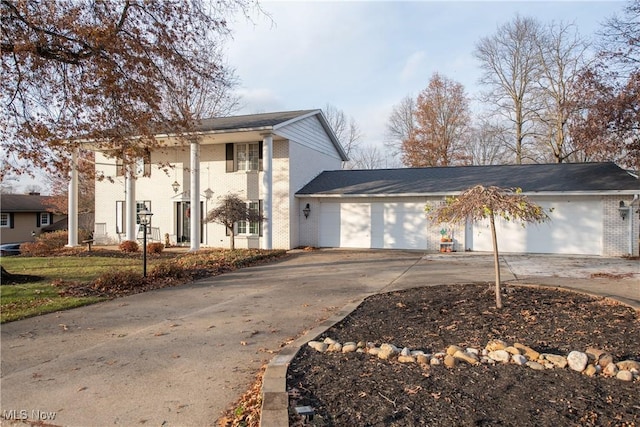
point(631, 215)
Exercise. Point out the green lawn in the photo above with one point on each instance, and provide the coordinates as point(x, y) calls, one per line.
point(39, 297)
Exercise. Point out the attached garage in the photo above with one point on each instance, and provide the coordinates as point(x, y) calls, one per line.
point(373, 224)
point(385, 209)
point(575, 228)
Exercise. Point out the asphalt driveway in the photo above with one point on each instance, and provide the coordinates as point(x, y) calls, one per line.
point(180, 356)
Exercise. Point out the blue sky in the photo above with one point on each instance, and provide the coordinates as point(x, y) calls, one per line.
point(365, 56)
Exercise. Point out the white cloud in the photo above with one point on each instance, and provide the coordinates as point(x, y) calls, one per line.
point(413, 66)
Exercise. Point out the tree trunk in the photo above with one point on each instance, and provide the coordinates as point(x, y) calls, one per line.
point(496, 260)
point(232, 240)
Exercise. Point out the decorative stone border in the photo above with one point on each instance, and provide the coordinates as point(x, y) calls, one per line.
point(275, 399)
point(592, 362)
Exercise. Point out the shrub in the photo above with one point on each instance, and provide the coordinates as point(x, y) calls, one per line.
point(169, 270)
point(119, 282)
point(155, 248)
point(129, 246)
point(48, 243)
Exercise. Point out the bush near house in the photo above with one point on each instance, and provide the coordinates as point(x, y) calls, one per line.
point(129, 246)
point(155, 248)
point(50, 243)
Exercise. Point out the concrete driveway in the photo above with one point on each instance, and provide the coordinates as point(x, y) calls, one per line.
point(181, 356)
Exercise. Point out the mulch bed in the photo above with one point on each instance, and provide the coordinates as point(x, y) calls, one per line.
point(356, 389)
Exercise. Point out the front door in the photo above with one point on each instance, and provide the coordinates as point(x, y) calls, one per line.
point(183, 222)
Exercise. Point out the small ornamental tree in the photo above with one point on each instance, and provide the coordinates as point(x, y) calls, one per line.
point(479, 203)
point(230, 210)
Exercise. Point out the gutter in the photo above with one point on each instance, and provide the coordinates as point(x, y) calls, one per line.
point(455, 193)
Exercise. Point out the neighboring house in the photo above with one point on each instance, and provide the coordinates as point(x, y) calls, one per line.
point(265, 158)
point(23, 216)
point(288, 165)
point(593, 209)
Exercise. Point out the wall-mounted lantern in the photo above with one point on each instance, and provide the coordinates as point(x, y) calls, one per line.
point(306, 211)
point(175, 186)
point(624, 210)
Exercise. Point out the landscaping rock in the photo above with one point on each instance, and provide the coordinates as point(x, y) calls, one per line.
point(495, 344)
point(628, 365)
point(519, 359)
point(590, 370)
point(557, 360)
point(577, 360)
point(319, 346)
point(449, 361)
point(512, 350)
point(452, 349)
point(527, 351)
point(605, 359)
point(469, 358)
point(624, 375)
point(535, 365)
point(349, 347)
point(610, 370)
point(406, 359)
point(500, 356)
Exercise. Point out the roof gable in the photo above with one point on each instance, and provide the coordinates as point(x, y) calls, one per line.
point(268, 122)
point(556, 177)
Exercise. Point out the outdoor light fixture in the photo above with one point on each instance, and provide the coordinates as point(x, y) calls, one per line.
point(145, 219)
point(306, 211)
point(624, 210)
point(175, 186)
point(306, 412)
point(208, 193)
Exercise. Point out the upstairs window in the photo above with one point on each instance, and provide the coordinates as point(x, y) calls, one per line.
point(244, 157)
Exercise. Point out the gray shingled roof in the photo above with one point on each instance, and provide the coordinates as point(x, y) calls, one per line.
point(563, 177)
point(250, 121)
point(23, 203)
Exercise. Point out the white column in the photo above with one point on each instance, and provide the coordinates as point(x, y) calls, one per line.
point(72, 200)
point(267, 190)
point(130, 204)
point(195, 196)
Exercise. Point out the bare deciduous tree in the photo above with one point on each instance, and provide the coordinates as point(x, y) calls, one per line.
point(486, 145)
point(479, 203)
point(231, 210)
point(345, 128)
point(562, 56)
point(510, 70)
point(441, 125)
point(401, 124)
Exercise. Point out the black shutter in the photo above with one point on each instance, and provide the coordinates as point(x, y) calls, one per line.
point(260, 144)
point(37, 219)
point(229, 157)
point(11, 221)
point(50, 218)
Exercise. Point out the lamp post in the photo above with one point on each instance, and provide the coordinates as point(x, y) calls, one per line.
point(145, 219)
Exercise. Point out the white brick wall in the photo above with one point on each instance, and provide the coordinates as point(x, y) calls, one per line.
point(617, 231)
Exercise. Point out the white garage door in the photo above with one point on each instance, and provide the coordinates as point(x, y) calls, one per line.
point(399, 225)
point(575, 228)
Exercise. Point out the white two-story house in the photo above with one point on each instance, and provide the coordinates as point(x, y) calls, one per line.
point(288, 166)
point(264, 158)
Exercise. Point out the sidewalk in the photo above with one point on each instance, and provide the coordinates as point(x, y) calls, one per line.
point(181, 356)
